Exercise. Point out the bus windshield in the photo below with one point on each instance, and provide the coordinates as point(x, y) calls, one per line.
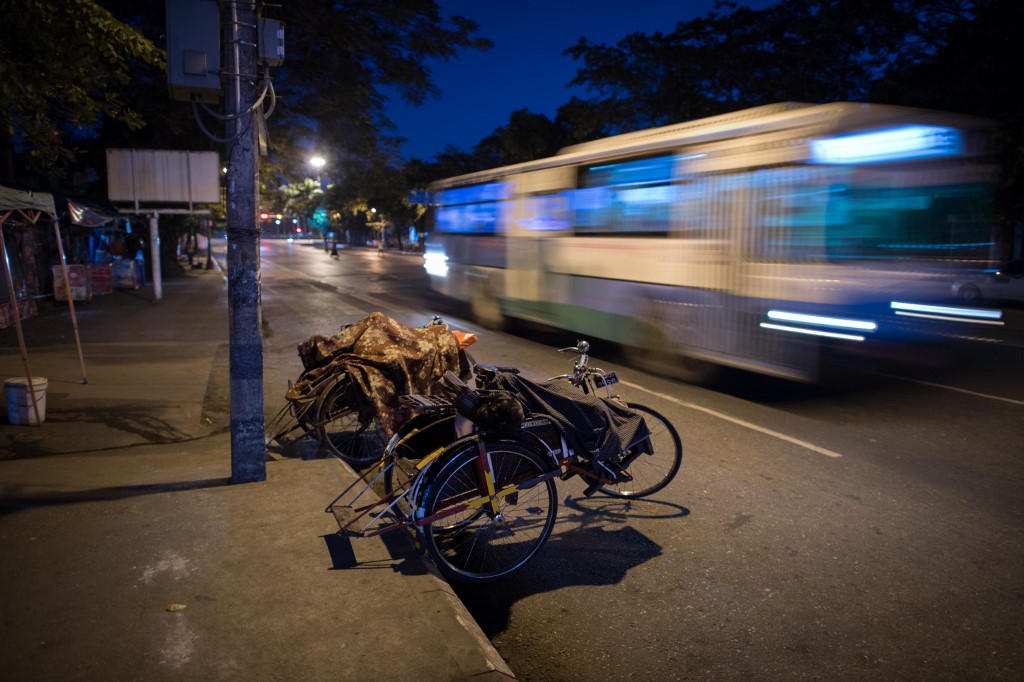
point(816, 214)
point(945, 222)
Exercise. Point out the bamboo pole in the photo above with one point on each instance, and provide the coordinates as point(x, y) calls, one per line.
point(71, 302)
point(17, 322)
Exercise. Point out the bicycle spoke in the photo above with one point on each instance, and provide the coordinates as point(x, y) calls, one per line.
point(656, 465)
point(346, 432)
point(477, 544)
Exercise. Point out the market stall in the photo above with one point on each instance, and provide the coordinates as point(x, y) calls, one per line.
point(23, 212)
point(110, 257)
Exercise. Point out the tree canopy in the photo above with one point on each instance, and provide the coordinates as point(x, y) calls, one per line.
point(796, 50)
point(68, 71)
point(63, 68)
point(344, 60)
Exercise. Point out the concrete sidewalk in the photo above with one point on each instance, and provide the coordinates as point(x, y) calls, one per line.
point(128, 553)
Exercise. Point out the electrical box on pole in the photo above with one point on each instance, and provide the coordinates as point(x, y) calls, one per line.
point(193, 49)
point(271, 47)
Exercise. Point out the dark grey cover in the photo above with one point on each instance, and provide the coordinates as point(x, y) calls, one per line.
point(594, 426)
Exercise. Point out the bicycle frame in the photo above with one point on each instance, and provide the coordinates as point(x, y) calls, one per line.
point(455, 496)
point(414, 516)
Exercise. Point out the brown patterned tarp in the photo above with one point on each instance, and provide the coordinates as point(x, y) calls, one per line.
point(385, 360)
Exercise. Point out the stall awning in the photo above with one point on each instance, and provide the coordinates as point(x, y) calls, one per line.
point(24, 201)
point(88, 214)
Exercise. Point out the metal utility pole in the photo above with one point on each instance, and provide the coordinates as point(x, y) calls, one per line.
point(248, 449)
point(154, 256)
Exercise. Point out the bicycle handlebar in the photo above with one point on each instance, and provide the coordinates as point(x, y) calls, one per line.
point(580, 348)
point(581, 368)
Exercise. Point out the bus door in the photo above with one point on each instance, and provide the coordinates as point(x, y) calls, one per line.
point(779, 214)
point(725, 288)
point(727, 203)
point(540, 216)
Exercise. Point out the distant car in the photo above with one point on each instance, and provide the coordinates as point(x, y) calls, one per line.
point(1005, 284)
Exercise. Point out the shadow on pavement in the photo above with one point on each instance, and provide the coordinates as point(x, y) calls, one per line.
point(400, 548)
point(580, 556)
point(581, 551)
point(11, 501)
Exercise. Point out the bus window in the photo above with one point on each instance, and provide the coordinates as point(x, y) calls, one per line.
point(546, 212)
point(788, 210)
point(806, 214)
point(467, 218)
point(703, 206)
point(634, 196)
point(471, 210)
point(933, 222)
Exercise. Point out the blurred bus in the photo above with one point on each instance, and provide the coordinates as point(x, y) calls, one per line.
point(761, 239)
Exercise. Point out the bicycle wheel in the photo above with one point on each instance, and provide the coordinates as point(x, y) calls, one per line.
point(476, 544)
point(346, 430)
point(420, 436)
point(651, 468)
point(304, 405)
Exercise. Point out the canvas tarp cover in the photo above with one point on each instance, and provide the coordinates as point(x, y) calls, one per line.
point(16, 200)
point(384, 358)
point(596, 428)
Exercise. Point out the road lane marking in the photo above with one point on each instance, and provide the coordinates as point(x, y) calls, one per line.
point(1012, 401)
point(739, 422)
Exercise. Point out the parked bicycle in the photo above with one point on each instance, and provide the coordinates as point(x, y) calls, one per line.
point(473, 478)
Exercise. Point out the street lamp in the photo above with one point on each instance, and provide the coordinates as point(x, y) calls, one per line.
point(378, 225)
point(318, 162)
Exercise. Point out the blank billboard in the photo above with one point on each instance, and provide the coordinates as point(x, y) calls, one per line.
point(163, 176)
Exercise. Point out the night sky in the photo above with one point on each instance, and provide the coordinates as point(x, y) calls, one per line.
point(525, 69)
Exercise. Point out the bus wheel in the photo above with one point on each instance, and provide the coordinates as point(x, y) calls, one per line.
point(970, 294)
point(694, 370)
point(657, 356)
point(487, 310)
point(677, 366)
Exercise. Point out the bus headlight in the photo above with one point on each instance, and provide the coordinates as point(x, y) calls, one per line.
point(436, 264)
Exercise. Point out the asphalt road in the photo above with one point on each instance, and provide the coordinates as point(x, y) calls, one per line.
point(866, 531)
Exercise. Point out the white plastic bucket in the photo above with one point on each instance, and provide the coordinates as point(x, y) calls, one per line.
point(19, 400)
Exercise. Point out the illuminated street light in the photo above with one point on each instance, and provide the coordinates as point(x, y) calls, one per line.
point(318, 162)
point(378, 223)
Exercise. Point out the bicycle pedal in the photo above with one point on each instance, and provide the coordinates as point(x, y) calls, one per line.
point(612, 472)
